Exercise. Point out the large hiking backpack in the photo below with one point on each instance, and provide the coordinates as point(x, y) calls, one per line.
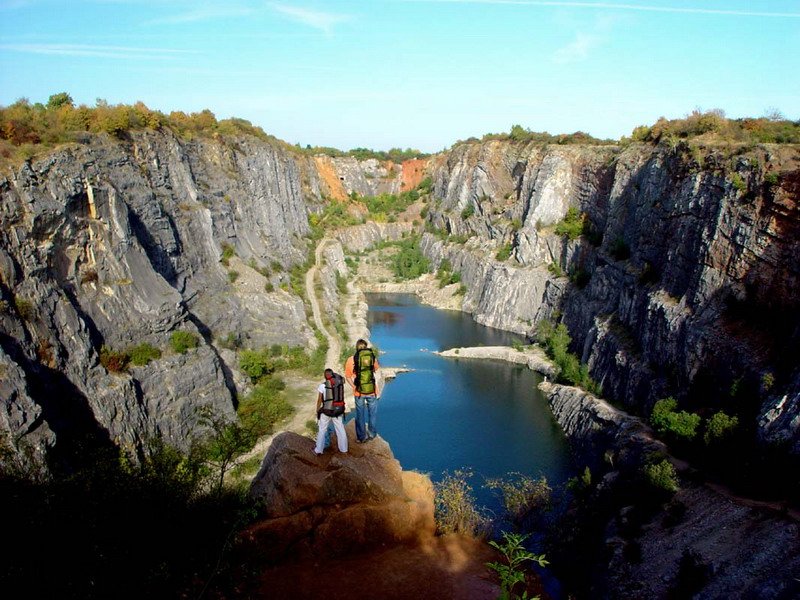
point(333, 400)
point(364, 365)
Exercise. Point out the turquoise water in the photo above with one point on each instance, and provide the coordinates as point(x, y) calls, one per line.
point(454, 413)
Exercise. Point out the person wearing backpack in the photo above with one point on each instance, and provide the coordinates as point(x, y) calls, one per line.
point(360, 371)
point(330, 409)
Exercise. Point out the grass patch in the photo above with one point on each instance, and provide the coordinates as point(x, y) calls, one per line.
point(181, 341)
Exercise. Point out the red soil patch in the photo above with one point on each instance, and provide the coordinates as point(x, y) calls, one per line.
point(413, 173)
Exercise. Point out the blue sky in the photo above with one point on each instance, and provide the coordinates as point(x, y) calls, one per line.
point(410, 73)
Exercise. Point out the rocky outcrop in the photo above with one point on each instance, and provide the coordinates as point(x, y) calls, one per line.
point(684, 282)
point(356, 513)
point(336, 503)
point(595, 428)
point(360, 237)
point(709, 544)
point(531, 357)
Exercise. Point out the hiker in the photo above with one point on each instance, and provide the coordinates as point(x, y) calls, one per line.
point(360, 371)
point(330, 409)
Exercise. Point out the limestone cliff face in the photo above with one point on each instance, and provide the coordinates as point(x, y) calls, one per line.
point(116, 243)
point(688, 277)
point(120, 242)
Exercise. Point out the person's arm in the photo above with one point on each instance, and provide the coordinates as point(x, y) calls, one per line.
point(375, 368)
point(350, 372)
point(319, 404)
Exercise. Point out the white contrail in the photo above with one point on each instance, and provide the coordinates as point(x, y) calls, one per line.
point(616, 6)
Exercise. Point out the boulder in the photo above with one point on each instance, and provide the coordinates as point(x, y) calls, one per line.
point(337, 502)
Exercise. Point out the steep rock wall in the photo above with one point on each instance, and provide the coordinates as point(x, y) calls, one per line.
point(114, 243)
point(688, 276)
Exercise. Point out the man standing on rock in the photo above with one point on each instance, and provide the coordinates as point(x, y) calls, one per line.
point(360, 371)
point(330, 409)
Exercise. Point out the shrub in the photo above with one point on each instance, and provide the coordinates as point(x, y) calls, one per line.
point(556, 340)
point(767, 381)
point(409, 262)
point(555, 270)
point(719, 427)
point(504, 252)
point(232, 341)
point(114, 361)
point(142, 354)
point(260, 410)
point(521, 494)
point(572, 225)
point(269, 287)
point(24, 308)
point(89, 276)
point(227, 253)
point(455, 508)
point(517, 345)
point(510, 572)
point(255, 364)
point(233, 276)
point(181, 341)
point(738, 182)
point(467, 212)
point(662, 476)
point(771, 179)
point(681, 425)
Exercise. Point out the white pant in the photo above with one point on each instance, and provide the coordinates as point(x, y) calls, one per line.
point(338, 427)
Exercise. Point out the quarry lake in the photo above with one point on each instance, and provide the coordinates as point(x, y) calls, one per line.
point(447, 413)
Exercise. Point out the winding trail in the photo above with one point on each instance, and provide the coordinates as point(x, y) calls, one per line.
point(306, 409)
point(334, 345)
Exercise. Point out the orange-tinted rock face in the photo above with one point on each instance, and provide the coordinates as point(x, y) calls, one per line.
point(330, 178)
point(413, 173)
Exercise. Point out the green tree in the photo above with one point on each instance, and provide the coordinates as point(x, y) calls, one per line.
point(58, 100)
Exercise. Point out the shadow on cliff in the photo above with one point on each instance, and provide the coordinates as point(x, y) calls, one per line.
point(65, 409)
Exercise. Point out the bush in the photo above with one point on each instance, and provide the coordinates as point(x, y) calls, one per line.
point(517, 345)
point(260, 410)
point(142, 354)
point(719, 427)
point(572, 225)
point(521, 494)
point(555, 269)
point(666, 421)
point(255, 364)
point(233, 276)
point(738, 182)
point(467, 212)
point(510, 572)
point(114, 361)
point(504, 253)
point(181, 341)
point(409, 262)
point(455, 508)
point(24, 308)
point(556, 341)
point(114, 523)
point(662, 476)
point(227, 253)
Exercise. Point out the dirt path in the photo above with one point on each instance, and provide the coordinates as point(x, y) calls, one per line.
point(334, 345)
point(305, 408)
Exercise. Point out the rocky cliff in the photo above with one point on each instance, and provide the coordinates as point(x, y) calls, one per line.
point(704, 543)
point(684, 282)
point(114, 243)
